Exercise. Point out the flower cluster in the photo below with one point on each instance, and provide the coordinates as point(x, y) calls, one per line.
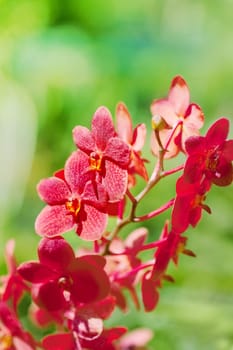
point(72, 291)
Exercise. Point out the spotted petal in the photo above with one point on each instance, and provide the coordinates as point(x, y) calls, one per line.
point(83, 139)
point(102, 127)
point(53, 190)
point(93, 225)
point(76, 171)
point(115, 181)
point(117, 151)
point(53, 221)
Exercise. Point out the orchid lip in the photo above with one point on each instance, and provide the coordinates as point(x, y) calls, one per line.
point(73, 206)
point(95, 161)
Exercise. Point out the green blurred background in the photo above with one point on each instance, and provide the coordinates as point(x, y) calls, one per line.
point(59, 61)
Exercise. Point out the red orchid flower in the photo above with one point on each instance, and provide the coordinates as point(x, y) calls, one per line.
point(123, 265)
point(73, 201)
point(189, 203)
point(68, 341)
point(210, 156)
point(59, 272)
point(108, 154)
point(182, 119)
point(13, 286)
point(172, 244)
point(135, 138)
point(12, 334)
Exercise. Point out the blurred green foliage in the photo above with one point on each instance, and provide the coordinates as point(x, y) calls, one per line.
point(59, 61)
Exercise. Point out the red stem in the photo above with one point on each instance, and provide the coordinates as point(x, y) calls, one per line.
point(155, 212)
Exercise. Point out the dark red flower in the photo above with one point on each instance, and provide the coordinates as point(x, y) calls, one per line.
point(69, 341)
point(108, 154)
point(210, 156)
point(172, 244)
point(59, 272)
point(73, 201)
point(12, 334)
point(189, 203)
point(12, 285)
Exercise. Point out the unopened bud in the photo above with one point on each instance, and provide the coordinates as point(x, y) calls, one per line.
point(158, 123)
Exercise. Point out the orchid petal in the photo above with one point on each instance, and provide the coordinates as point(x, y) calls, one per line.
point(150, 295)
point(55, 253)
point(115, 181)
point(50, 296)
point(53, 191)
point(35, 272)
point(83, 139)
point(139, 137)
point(218, 132)
point(165, 110)
point(92, 227)
point(53, 221)
point(62, 341)
point(102, 127)
point(117, 151)
point(76, 171)
point(179, 95)
point(124, 123)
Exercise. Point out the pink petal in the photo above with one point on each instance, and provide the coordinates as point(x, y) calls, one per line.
point(53, 221)
point(92, 227)
point(55, 253)
point(62, 341)
point(218, 132)
point(139, 137)
point(137, 338)
point(179, 95)
point(53, 191)
point(165, 110)
point(88, 327)
point(124, 123)
point(83, 139)
point(9, 256)
point(172, 150)
point(96, 196)
point(115, 181)
point(117, 151)
point(136, 239)
point(35, 272)
point(194, 117)
point(102, 127)
point(20, 344)
point(77, 171)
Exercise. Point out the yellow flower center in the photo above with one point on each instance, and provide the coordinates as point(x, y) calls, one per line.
point(95, 161)
point(73, 206)
point(198, 200)
point(212, 160)
point(6, 341)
